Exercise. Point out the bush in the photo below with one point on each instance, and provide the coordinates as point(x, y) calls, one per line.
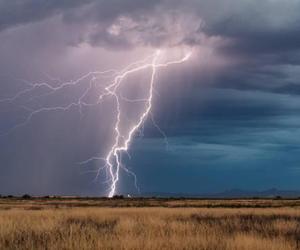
point(26, 196)
point(118, 197)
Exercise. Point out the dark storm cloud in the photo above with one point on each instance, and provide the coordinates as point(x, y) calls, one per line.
point(20, 12)
point(253, 26)
point(271, 27)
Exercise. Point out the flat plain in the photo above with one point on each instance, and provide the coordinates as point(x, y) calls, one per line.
point(95, 223)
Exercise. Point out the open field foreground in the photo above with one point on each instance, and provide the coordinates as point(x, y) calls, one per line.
point(149, 224)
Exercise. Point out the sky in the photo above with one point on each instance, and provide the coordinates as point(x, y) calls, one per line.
point(231, 113)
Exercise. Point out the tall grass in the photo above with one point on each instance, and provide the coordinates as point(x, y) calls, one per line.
point(151, 228)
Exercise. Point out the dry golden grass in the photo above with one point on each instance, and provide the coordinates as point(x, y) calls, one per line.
point(33, 225)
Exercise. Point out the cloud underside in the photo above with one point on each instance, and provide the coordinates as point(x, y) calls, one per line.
point(262, 36)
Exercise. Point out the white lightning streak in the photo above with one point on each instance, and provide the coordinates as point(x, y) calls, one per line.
point(117, 148)
point(113, 159)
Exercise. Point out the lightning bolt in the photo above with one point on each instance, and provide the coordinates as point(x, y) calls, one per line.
point(121, 143)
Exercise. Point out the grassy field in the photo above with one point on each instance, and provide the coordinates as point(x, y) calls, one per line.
point(149, 224)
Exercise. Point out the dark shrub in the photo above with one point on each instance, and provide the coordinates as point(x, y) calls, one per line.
point(118, 197)
point(26, 196)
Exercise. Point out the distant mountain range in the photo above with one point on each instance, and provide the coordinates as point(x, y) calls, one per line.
point(232, 193)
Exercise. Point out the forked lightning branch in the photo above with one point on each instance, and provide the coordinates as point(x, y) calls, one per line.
point(112, 162)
